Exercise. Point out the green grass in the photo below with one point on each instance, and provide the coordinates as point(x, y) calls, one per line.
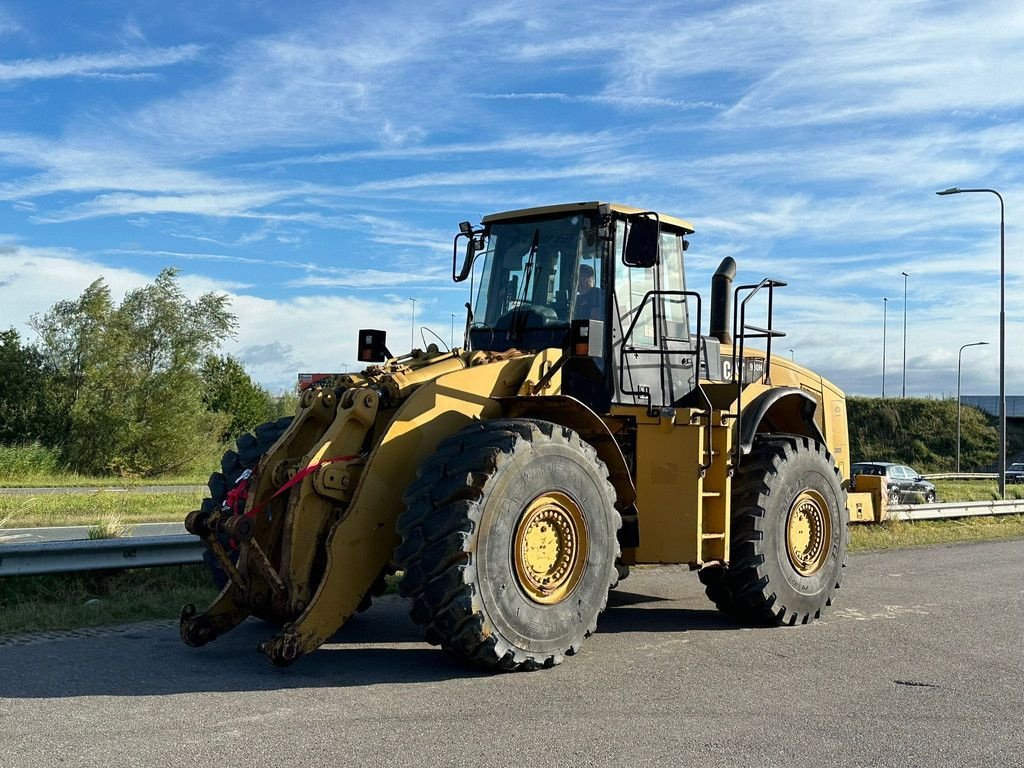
point(70, 480)
point(975, 490)
point(93, 508)
point(35, 466)
point(898, 534)
point(72, 601)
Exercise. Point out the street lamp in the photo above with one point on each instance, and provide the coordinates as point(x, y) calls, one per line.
point(451, 342)
point(412, 326)
point(791, 354)
point(958, 357)
point(1002, 330)
point(905, 276)
point(885, 311)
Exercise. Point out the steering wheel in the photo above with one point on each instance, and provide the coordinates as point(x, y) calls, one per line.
point(528, 316)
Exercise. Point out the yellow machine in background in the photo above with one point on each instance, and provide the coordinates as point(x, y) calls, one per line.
point(587, 425)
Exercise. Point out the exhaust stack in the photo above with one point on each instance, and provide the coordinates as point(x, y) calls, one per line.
point(721, 299)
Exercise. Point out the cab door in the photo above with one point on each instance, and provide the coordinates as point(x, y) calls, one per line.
point(651, 322)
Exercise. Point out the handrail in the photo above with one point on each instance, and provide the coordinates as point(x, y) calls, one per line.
point(740, 335)
point(658, 339)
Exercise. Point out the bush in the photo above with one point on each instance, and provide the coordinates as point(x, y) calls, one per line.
point(28, 460)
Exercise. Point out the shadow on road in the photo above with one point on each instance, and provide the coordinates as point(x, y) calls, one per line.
point(380, 647)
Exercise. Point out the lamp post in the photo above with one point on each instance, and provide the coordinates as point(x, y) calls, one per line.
point(791, 354)
point(451, 341)
point(958, 358)
point(1002, 330)
point(905, 276)
point(412, 326)
point(885, 311)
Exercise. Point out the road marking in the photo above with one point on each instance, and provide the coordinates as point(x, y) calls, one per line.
point(882, 612)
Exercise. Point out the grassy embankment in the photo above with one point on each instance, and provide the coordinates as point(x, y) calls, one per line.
point(128, 507)
point(34, 466)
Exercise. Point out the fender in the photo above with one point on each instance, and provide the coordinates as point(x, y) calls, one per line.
point(788, 409)
point(571, 413)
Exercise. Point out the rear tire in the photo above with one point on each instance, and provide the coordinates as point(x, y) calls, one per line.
point(789, 535)
point(509, 542)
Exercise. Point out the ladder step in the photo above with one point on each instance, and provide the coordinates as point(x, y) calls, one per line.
point(712, 535)
point(711, 494)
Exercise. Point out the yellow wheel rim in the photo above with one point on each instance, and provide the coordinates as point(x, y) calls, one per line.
point(550, 548)
point(808, 533)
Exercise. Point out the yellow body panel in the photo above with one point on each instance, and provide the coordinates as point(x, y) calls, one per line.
point(682, 485)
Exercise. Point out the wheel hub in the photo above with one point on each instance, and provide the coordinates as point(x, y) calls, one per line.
point(808, 533)
point(550, 548)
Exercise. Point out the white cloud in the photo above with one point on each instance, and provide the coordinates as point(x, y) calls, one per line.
point(33, 279)
point(123, 63)
point(8, 25)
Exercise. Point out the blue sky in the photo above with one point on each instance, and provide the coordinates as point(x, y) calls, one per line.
point(315, 163)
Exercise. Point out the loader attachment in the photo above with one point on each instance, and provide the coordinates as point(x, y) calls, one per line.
point(267, 537)
point(317, 532)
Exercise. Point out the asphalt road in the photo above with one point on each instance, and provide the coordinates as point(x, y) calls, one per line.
point(918, 664)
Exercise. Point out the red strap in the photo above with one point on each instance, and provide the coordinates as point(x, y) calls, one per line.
point(299, 476)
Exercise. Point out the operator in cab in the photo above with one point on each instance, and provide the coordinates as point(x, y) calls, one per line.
point(589, 298)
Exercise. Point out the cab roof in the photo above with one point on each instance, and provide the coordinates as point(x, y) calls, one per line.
point(522, 213)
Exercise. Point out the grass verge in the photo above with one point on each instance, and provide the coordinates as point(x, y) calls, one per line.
point(35, 466)
point(975, 490)
point(70, 601)
point(898, 534)
point(94, 508)
point(68, 480)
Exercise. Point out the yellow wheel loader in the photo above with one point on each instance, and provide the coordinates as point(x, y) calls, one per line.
point(588, 424)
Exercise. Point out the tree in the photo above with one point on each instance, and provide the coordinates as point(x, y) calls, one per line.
point(228, 389)
point(131, 373)
point(28, 411)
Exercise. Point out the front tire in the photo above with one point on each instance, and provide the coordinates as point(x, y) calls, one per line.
point(789, 535)
point(509, 542)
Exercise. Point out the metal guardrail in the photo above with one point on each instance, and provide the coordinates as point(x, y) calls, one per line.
point(64, 555)
point(954, 509)
point(99, 554)
point(962, 476)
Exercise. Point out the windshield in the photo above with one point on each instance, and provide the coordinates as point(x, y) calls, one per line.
point(530, 278)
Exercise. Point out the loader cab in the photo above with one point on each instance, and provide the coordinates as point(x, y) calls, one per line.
point(540, 270)
point(536, 274)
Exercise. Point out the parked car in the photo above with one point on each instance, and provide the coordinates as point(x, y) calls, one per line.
point(1015, 472)
point(901, 480)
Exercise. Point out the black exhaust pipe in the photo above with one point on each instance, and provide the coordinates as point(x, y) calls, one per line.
point(721, 299)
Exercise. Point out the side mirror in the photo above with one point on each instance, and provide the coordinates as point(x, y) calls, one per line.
point(643, 235)
point(474, 244)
